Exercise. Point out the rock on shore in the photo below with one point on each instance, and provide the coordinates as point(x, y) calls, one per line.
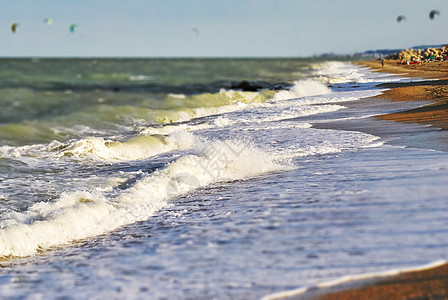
point(420, 55)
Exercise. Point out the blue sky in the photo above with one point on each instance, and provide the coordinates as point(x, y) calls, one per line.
point(245, 28)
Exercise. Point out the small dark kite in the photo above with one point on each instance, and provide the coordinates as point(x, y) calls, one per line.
point(401, 18)
point(434, 13)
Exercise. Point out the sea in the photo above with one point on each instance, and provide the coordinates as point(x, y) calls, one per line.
point(209, 178)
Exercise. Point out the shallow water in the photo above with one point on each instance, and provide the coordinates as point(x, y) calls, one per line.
point(237, 198)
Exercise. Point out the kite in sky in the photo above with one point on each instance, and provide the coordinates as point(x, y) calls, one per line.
point(14, 27)
point(72, 28)
point(196, 30)
point(401, 18)
point(48, 21)
point(434, 13)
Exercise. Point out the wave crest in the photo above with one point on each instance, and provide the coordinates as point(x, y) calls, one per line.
point(303, 88)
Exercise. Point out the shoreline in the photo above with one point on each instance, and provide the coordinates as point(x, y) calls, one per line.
point(394, 284)
point(430, 121)
point(430, 283)
point(422, 284)
point(433, 86)
point(410, 114)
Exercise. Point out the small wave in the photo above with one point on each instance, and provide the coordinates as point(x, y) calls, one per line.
point(335, 72)
point(27, 133)
point(182, 108)
point(139, 147)
point(303, 88)
point(81, 214)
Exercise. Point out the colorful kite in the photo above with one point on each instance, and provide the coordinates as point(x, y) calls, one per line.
point(48, 21)
point(72, 28)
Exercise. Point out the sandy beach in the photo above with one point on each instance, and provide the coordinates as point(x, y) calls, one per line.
point(435, 114)
point(431, 283)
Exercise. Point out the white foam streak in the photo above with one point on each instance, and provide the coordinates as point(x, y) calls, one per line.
point(268, 112)
point(168, 129)
point(340, 97)
point(313, 141)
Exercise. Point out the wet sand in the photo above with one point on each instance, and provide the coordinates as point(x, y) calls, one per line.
point(426, 284)
point(431, 283)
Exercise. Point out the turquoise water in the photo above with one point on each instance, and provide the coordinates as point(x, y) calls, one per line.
point(205, 178)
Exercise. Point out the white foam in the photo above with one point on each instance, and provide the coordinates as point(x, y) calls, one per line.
point(299, 101)
point(340, 97)
point(340, 72)
point(311, 141)
point(303, 88)
point(267, 112)
point(335, 72)
point(185, 108)
point(223, 122)
point(140, 147)
point(80, 214)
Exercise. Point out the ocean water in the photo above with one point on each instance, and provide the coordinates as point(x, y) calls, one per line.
point(205, 179)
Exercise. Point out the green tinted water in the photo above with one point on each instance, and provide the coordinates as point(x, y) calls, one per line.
point(59, 99)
